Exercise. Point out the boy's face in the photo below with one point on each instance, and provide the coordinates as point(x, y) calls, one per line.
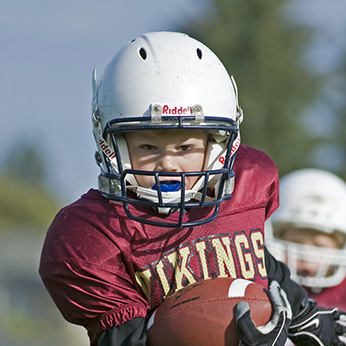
point(306, 236)
point(167, 151)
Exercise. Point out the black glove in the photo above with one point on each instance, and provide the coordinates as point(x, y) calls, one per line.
point(275, 331)
point(317, 326)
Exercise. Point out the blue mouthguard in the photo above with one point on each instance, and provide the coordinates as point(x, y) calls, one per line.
point(168, 186)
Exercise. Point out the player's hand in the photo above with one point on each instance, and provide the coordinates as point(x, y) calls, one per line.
point(318, 326)
point(275, 331)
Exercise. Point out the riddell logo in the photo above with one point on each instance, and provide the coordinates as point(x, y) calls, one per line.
point(176, 110)
point(105, 148)
point(235, 145)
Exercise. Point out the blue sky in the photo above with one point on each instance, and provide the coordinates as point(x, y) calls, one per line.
point(48, 52)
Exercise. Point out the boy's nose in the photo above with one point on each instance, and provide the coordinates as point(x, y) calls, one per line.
point(167, 163)
point(307, 268)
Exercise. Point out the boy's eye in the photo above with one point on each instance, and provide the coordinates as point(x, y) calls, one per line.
point(185, 147)
point(147, 147)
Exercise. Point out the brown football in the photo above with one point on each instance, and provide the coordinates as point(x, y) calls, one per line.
point(203, 313)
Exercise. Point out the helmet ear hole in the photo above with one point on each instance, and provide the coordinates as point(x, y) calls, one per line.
point(143, 53)
point(199, 53)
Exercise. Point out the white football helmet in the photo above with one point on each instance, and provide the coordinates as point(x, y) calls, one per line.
point(311, 199)
point(165, 80)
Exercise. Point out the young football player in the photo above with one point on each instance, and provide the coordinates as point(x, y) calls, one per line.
point(173, 206)
point(308, 232)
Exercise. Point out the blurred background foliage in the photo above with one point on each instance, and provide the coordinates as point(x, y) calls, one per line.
point(25, 200)
point(292, 111)
point(265, 50)
point(27, 207)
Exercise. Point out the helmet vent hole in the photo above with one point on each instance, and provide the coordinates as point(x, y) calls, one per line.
point(199, 53)
point(143, 53)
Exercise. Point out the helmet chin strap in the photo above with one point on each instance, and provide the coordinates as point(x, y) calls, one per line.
point(167, 197)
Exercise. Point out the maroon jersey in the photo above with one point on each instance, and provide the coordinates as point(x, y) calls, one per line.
point(103, 268)
point(332, 297)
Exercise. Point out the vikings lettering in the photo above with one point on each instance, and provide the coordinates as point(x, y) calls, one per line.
point(176, 110)
point(240, 255)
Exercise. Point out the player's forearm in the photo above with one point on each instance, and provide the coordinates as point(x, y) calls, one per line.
point(279, 272)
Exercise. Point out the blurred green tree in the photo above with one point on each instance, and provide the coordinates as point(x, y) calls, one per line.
point(25, 206)
point(24, 161)
point(25, 202)
point(334, 140)
point(263, 49)
point(340, 136)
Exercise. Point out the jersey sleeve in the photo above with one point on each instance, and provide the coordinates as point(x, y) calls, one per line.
point(256, 180)
point(85, 273)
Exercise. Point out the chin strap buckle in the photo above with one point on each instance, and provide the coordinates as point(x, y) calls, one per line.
point(109, 186)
